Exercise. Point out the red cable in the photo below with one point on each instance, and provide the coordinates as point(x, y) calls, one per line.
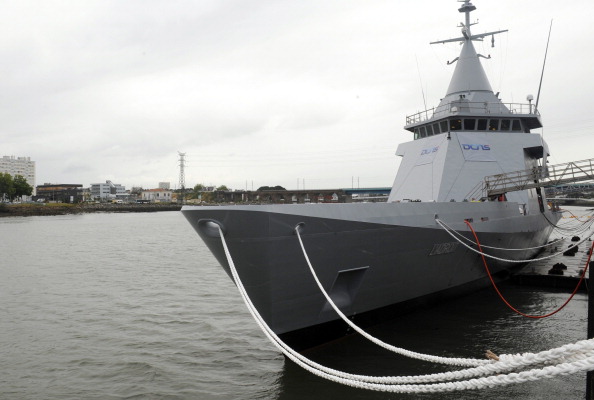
point(503, 298)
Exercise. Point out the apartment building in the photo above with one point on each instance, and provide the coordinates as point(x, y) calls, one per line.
point(19, 166)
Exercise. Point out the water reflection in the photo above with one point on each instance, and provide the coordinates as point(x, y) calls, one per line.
point(463, 327)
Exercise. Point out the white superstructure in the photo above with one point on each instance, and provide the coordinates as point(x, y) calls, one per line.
point(469, 135)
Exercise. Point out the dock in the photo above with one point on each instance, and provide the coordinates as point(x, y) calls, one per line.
point(561, 271)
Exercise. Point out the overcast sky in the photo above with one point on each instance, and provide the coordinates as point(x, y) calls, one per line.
point(267, 92)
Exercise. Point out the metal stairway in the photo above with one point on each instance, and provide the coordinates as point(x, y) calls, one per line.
point(571, 172)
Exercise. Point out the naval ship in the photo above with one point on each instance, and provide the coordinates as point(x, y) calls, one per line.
point(379, 259)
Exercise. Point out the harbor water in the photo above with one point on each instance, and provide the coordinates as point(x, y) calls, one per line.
point(133, 306)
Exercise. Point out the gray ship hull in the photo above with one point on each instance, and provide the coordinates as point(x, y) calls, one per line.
point(374, 259)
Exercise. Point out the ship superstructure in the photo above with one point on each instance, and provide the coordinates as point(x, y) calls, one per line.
point(469, 135)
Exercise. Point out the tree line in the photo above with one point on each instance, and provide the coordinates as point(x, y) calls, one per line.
point(13, 187)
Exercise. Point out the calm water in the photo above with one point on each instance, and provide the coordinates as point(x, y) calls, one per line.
point(126, 306)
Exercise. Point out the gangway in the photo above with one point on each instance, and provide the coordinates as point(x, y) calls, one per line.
point(559, 174)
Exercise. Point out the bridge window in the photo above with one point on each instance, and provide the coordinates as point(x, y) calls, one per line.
point(423, 131)
point(429, 130)
point(444, 126)
point(455, 124)
point(417, 134)
point(505, 124)
point(493, 124)
point(482, 124)
point(435, 129)
point(516, 125)
point(469, 124)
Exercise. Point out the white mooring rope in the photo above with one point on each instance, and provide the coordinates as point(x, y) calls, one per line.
point(567, 359)
point(454, 234)
point(493, 247)
point(463, 362)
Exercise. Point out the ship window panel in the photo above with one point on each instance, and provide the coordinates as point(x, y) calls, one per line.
point(455, 124)
point(423, 131)
point(493, 124)
point(469, 124)
point(417, 133)
point(429, 130)
point(505, 124)
point(482, 124)
point(516, 125)
point(435, 129)
point(444, 126)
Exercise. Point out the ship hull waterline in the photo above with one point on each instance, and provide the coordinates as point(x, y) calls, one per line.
point(375, 260)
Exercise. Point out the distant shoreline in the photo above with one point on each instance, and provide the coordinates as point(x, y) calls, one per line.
point(32, 209)
point(28, 209)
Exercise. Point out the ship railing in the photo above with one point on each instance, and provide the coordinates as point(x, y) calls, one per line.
point(553, 175)
point(472, 108)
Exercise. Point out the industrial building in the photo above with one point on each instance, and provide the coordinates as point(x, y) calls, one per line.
point(348, 195)
point(61, 193)
point(156, 196)
point(108, 191)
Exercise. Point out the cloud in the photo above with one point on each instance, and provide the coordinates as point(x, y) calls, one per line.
point(269, 91)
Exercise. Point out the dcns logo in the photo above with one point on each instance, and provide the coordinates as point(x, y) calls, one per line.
point(429, 151)
point(476, 147)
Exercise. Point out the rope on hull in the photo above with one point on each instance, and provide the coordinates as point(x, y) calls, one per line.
point(565, 360)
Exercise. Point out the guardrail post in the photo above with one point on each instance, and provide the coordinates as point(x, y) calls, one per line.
point(590, 374)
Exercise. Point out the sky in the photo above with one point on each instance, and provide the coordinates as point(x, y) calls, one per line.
point(298, 93)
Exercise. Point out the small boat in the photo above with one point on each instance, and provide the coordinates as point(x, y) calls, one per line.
point(379, 259)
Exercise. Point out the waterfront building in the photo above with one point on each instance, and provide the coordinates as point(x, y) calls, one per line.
point(19, 166)
point(157, 196)
point(62, 193)
point(345, 195)
point(108, 191)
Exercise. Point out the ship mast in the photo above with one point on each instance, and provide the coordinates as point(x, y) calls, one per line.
point(467, 8)
point(469, 75)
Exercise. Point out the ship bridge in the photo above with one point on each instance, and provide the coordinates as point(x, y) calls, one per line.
point(469, 103)
point(463, 115)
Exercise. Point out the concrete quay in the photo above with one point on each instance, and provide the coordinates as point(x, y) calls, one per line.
point(541, 273)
